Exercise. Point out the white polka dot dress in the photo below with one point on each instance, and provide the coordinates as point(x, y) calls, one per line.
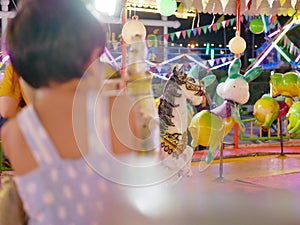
point(59, 191)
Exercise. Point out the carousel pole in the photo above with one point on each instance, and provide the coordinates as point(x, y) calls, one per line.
point(123, 44)
point(238, 23)
point(237, 55)
point(4, 9)
point(281, 137)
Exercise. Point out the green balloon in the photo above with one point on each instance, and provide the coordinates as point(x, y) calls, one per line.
point(167, 7)
point(257, 26)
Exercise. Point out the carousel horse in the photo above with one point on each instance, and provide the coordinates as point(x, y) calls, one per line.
point(267, 109)
point(173, 112)
point(288, 86)
point(139, 88)
point(293, 117)
point(208, 127)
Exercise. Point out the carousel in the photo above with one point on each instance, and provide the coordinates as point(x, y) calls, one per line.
point(179, 145)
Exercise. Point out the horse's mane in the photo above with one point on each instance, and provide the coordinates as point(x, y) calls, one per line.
point(171, 91)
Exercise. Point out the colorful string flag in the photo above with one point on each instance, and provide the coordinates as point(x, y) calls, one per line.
point(211, 62)
point(188, 32)
point(258, 3)
point(183, 33)
point(282, 2)
point(204, 4)
point(195, 31)
point(248, 3)
point(293, 3)
point(270, 2)
point(199, 30)
point(224, 4)
point(166, 37)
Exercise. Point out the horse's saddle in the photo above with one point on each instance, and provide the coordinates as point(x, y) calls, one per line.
point(174, 144)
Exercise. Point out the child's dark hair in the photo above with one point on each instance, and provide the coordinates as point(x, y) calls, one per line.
point(52, 41)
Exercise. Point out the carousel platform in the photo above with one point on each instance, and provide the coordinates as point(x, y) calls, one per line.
point(258, 148)
point(257, 186)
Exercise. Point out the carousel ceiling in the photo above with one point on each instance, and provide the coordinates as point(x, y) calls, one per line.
point(248, 7)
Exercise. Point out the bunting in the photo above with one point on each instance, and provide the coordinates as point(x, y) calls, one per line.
point(204, 4)
point(211, 62)
point(224, 4)
point(188, 32)
point(270, 2)
point(290, 46)
point(204, 63)
point(204, 28)
point(172, 36)
point(199, 30)
point(272, 21)
point(293, 3)
point(183, 33)
point(195, 31)
point(166, 36)
point(258, 3)
point(248, 3)
point(282, 2)
point(223, 23)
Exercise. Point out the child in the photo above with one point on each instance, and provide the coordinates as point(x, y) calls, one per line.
point(51, 44)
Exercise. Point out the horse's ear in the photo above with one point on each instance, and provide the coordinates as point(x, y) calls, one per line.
point(253, 73)
point(234, 68)
point(208, 80)
point(173, 67)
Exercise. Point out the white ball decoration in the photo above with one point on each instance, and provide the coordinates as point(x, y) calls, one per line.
point(237, 45)
point(133, 28)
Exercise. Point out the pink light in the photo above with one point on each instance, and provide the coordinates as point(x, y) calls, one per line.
point(5, 59)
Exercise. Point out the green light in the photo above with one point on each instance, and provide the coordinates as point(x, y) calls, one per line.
point(284, 55)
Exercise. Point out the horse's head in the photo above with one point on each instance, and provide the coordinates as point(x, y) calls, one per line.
point(195, 88)
point(236, 87)
point(178, 76)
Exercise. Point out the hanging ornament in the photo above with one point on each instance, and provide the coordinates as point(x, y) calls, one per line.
point(256, 26)
point(167, 7)
point(133, 28)
point(237, 45)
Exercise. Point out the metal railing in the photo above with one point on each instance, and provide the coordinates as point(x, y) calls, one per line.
point(277, 132)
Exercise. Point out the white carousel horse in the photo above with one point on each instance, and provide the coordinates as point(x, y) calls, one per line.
point(173, 115)
point(139, 88)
